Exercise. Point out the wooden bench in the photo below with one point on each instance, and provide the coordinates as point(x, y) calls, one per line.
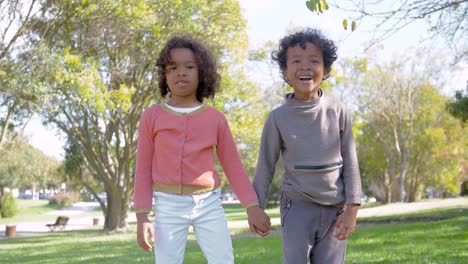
point(59, 224)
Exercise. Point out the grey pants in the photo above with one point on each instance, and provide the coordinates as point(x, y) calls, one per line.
point(308, 233)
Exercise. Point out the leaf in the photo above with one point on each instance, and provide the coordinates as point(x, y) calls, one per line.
point(317, 5)
point(323, 5)
point(345, 24)
point(353, 25)
point(310, 5)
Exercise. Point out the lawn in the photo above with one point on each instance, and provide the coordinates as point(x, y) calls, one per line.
point(38, 210)
point(436, 236)
point(31, 210)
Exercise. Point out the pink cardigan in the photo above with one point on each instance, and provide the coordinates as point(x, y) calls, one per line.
point(175, 154)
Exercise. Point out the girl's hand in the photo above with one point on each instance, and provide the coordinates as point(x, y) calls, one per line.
point(259, 221)
point(346, 222)
point(145, 232)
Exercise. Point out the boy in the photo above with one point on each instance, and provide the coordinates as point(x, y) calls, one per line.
point(321, 186)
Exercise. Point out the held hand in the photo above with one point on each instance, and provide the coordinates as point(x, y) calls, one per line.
point(145, 232)
point(259, 221)
point(346, 222)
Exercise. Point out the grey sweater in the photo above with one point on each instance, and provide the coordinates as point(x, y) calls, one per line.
point(315, 140)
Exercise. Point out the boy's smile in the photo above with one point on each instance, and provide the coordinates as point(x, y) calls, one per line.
point(304, 71)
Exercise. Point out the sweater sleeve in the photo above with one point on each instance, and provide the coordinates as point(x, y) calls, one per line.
point(350, 173)
point(270, 146)
point(230, 160)
point(142, 197)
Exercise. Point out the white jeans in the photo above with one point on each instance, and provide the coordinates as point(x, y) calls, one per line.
point(204, 212)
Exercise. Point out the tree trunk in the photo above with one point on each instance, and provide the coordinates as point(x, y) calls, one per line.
point(402, 180)
point(116, 211)
point(388, 187)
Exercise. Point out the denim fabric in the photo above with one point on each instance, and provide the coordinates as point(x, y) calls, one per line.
point(174, 214)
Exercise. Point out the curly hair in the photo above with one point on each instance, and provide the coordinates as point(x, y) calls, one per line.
point(301, 38)
point(207, 66)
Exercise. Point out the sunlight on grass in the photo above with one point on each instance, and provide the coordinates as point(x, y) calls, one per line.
point(424, 241)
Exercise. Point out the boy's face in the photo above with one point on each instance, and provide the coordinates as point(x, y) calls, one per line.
point(182, 74)
point(304, 71)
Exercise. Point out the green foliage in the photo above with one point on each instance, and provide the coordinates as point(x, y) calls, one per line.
point(464, 188)
point(402, 127)
point(23, 166)
point(317, 6)
point(95, 62)
point(459, 107)
point(8, 207)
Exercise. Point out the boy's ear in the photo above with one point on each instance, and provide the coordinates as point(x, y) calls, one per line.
point(326, 74)
point(286, 79)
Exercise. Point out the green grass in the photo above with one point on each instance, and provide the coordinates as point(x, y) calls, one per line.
point(442, 241)
point(31, 210)
point(420, 240)
point(37, 211)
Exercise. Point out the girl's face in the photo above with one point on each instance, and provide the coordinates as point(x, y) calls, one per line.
point(304, 70)
point(182, 76)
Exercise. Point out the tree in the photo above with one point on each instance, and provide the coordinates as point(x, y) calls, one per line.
point(96, 59)
point(407, 140)
point(24, 167)
point(437, 148)
point(459, 107)
point(17, 96)
point(446, 19)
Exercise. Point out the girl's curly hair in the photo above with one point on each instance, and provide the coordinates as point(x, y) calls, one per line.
point(301, 38)
point(207, 66)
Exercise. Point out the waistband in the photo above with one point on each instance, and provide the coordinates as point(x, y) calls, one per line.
point(305, 198)
point(182, 189)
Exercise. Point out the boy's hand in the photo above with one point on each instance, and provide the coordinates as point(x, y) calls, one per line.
point(259, 221)
point(145, 231)
point(346, 222)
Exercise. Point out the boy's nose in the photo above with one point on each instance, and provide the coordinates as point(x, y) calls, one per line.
point(305, 66)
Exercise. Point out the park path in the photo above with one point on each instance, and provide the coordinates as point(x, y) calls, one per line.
point(81, 218)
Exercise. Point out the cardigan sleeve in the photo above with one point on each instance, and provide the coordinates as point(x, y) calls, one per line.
point(230, 160)
point(142, 197)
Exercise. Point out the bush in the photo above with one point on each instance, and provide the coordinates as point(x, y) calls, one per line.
point(8, 207)
point(464, 189)
point(65, 199)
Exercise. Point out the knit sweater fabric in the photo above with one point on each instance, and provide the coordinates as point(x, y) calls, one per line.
point(175, 154)
point(315, 140)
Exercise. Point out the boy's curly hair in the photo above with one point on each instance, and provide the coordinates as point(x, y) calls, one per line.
point(207, 67)
point(301, 38)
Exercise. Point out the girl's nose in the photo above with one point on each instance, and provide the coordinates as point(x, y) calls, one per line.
point(181, 72)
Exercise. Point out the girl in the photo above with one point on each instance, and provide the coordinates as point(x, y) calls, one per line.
point(175, 161)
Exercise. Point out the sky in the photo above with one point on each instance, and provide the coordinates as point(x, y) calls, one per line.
point(269, 20)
